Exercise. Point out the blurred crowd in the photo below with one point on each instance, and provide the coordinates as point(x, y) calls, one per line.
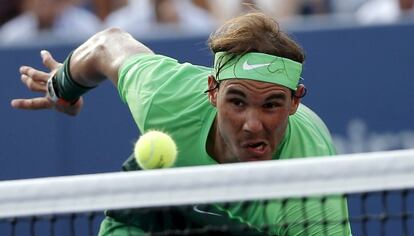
point(24, 21)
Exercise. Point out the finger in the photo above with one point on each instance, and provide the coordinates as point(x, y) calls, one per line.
point(48, 60)
point(33, 85)
point(35, 74)
point(32, 104)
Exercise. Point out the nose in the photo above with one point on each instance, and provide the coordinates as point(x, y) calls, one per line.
point(252, 122)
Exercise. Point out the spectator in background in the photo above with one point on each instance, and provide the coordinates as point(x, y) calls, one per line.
point(42, 20)
point(279, 9)
point(9, 9)
point(406, 5)
point(104, 8)
point(145, 18)
point(345, 6)
point(314, 7)
point(183, 15)
point(384, 11)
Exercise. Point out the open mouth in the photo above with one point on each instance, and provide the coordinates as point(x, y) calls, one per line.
point(257, 148)
point(258, 145)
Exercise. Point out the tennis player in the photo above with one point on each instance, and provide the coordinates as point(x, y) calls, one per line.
point(246, 108)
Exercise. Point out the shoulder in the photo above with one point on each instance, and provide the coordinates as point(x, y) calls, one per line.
point(307, 135)
point(165, 94)
point(307, 117)
point(151, 60)
point(152, 73)
point(158, 68)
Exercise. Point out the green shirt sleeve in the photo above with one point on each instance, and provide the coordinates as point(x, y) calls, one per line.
point(164, 94)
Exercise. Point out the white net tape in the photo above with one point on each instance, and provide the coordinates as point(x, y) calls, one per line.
point(352, 173)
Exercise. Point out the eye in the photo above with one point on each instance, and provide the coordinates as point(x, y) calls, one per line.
point(237, 102)
point(271, 105)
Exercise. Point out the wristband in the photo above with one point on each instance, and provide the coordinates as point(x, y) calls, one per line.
point(62, 89)
point(52, 95)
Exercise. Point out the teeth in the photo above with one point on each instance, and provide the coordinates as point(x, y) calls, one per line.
point(257, 146)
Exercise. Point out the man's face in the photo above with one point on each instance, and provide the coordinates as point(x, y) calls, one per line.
point(252, 117)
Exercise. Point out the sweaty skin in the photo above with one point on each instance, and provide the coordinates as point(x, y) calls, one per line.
point(251, 119)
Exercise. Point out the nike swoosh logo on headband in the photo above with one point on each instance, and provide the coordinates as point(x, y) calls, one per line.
point(247, 66)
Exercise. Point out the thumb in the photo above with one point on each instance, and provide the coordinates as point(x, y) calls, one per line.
point(48, 60)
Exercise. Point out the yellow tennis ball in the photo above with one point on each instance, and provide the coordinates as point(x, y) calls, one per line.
point(154, 150)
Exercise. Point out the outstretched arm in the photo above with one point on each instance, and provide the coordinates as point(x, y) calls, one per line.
point(101, 56)
point(97, 59)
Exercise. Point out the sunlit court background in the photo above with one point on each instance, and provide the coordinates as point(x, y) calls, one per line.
point(358, 71)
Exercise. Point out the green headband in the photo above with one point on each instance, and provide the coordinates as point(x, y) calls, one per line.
point(258, 66)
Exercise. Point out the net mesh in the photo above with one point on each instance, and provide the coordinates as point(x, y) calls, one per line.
point(359, 194)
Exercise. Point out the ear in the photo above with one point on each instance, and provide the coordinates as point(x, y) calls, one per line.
point(299, 94)
point(212, 90)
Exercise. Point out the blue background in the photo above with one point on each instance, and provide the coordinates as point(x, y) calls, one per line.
point(359, 81)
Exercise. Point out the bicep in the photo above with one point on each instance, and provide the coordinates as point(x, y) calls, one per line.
point(102, 55)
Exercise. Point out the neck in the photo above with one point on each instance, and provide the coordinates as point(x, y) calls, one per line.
point(216, 147)
point(211, 141)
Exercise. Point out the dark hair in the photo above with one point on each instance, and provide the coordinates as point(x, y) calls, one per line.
point(255, 32)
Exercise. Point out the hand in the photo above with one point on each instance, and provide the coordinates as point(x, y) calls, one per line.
point(35, 80)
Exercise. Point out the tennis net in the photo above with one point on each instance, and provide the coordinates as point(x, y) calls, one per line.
point(362, 194)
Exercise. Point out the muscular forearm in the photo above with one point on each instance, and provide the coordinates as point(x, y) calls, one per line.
point(101, 56)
